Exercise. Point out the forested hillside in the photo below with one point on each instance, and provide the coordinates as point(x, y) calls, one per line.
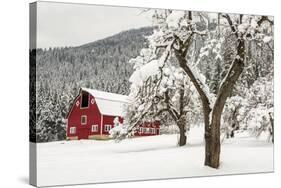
point(60, 72)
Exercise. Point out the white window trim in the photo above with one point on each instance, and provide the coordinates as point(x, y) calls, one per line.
point(77, 103)
point(141, 130)
point(95, 128)
point(107, 127)
point(85, 120)
point(148, 130)
point(72, 130)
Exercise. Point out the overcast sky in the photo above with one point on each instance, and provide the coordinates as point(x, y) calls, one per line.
point(61, 24)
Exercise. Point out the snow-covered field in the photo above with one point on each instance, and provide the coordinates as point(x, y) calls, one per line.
point(156, 157)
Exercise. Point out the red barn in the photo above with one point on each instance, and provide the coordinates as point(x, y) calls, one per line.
point(93, 112)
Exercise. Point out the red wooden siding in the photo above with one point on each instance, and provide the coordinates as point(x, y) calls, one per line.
point(94, 117)
point(74, 119)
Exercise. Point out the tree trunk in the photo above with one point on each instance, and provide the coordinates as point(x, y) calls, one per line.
point(235, 124)
point(205, 105)
point(272, 127)
point(181, 124)
point(232, 131)
point(178, 117)
point(212, 129)
point(225, 90)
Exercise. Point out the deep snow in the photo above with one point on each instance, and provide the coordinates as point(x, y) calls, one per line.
point(155, 157)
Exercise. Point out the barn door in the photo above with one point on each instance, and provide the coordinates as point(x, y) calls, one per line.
point(83, 133)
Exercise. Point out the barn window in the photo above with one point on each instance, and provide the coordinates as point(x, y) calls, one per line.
point(77, 103)
point(147, 130)
point(85, 100)
point(107, 128)
point(83, 120)
point(94, 128)
point(153, 131)
point(72, 130)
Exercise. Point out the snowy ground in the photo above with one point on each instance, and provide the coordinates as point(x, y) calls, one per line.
point(156, 157)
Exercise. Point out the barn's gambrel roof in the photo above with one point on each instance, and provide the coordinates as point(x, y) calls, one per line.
point(109, 103)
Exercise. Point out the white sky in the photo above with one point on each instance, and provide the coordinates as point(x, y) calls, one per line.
point(62, 24)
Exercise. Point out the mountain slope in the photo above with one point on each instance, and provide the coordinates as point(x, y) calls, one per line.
point(60, 72)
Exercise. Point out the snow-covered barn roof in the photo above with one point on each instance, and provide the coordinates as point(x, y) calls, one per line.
point(109, 103)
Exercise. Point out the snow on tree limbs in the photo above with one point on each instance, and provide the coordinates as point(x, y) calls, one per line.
point(177, 32)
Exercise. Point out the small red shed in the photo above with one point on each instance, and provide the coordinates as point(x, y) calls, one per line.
point(93, 112)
